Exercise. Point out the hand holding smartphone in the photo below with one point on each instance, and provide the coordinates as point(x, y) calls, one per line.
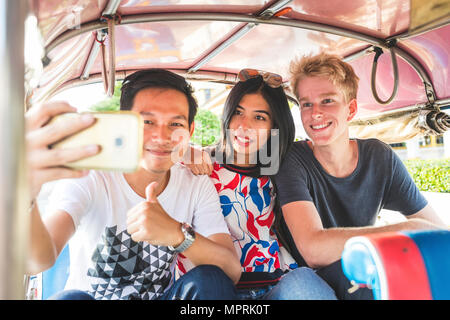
point(119, 135)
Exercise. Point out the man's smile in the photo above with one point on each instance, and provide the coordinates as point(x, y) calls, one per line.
point(159, 152)
point(320, 126)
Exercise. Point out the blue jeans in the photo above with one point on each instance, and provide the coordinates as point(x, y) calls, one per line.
point(299, 284)
point(205, 282)
point(335, 277)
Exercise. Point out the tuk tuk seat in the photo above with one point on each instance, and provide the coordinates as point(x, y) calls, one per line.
point(55, 278)
point(400, 265)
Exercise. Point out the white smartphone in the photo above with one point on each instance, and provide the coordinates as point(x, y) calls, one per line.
point(120, 136)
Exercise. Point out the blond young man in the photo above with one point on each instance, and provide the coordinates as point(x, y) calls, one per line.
point(331, 187)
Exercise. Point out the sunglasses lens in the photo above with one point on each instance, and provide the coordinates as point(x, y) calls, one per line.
point(272, 79)
point(246, 74)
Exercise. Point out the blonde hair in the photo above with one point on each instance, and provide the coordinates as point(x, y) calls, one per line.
point(340, 73)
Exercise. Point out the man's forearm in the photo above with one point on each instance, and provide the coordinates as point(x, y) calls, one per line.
point(41, 250)
point(327, 245)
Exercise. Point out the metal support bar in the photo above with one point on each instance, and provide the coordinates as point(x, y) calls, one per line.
point(235, 17)
point(239, 34)
point(408, 34)
point(14, 193)
point(110, 11)
point(359, 54)
point(100, 37)
point(269, 12)
point(109, 77)
point(213, 16)
point(111, 8)
point(266, 14)
point(428, 85)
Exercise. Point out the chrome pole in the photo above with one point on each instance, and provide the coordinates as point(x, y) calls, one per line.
point(13, 187)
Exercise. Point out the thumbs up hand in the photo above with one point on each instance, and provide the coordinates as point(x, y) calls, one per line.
point(147, 221)
point(150, 192)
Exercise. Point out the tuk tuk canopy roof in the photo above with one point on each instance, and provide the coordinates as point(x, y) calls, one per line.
point(213, 39)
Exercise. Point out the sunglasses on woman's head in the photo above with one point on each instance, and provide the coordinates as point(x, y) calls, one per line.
point(273, 80)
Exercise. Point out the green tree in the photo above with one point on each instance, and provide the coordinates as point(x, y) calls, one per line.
point(207, 128)
point(110, 104)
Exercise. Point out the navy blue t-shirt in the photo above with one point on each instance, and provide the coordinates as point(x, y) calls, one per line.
point(380, 181)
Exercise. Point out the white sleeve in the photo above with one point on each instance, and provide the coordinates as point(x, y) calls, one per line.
point(208, 218)
point(73, 196)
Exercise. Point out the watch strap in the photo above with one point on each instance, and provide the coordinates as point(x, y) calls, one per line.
point(189, 237)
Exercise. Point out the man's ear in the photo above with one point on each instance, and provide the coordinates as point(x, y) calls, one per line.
point(353, 108)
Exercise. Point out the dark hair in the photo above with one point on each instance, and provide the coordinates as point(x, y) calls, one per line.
point(156, 78)
point(278, 103)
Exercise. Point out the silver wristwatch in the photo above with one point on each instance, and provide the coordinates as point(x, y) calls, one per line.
point(189, 237)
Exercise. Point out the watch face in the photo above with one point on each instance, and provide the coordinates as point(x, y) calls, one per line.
point(189, 237)
point(188, 231)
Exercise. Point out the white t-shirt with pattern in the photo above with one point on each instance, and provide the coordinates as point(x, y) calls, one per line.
point(105, 261)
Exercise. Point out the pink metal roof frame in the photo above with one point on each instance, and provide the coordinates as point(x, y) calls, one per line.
point(250, 35)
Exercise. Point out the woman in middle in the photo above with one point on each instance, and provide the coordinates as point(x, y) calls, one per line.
point(257, 130)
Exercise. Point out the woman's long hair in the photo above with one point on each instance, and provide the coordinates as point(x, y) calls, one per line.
point(281, 118)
